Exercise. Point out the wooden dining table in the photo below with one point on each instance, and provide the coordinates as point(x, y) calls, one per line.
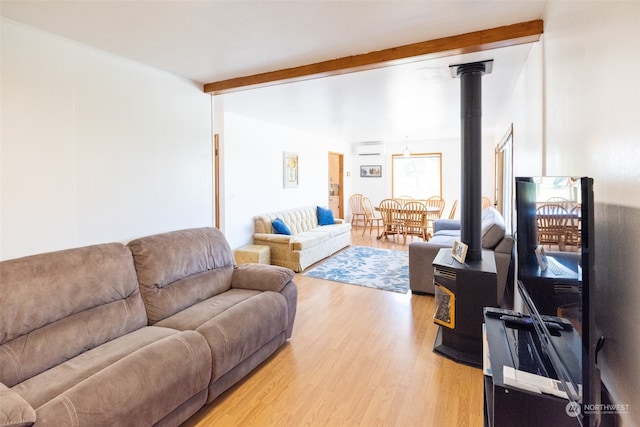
point(405, 212)
point(430, 209)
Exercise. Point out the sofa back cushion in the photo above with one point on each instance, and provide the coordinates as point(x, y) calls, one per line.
point(298, 220)
point(57, 305)
point(181, 268)
point(493, 229)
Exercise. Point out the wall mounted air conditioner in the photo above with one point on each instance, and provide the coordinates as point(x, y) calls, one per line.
point(374, 149)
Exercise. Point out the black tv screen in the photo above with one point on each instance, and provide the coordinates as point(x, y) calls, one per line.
point(555, 268)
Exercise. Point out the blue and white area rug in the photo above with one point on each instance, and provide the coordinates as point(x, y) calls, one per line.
point(384, 269)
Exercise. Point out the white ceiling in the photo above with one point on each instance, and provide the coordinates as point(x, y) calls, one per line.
point(207, 41)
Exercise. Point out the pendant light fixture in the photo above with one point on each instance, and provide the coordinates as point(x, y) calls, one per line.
point(406, 152)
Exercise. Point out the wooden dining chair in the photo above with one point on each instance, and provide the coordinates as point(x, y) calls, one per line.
point(552, 223)
point(415, 220)
point(565, 203)
point(486, 202)
point(434, 201)
point(392, 218)
point(357, 212)
point(574, 227)
point(370, 216)
point(452, 212)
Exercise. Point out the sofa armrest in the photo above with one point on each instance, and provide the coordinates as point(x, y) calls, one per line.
point(272, 238)
point(505, 246)
point(445, 224)
point(14, 410)
point(421, 256)
point(261, 277)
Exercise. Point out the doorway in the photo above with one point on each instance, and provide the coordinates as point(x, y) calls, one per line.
point(336, 187)
point(503, 179)
point(216, 180)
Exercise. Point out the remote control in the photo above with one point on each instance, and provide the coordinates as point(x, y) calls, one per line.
point(497, 312)
point(527, 321)
point(567, 325)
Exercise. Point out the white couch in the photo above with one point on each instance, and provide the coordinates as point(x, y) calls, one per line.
point(308, 243)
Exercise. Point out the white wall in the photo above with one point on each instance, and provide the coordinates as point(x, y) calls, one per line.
point(95, 148)
point(592, 127)
point(378, 189)
point(525, 113)
point(252, 168)
point(575, 112)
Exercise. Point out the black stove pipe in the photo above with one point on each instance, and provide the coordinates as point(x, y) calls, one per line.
point(471, 150)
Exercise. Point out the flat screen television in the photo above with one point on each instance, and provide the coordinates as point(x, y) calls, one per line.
point(555, 271)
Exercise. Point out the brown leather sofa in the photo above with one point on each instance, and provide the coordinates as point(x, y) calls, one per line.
point(136, 335)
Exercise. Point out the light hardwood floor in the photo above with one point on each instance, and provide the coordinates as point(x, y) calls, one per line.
point(357, 357)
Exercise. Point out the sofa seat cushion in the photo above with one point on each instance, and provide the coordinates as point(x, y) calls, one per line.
point(308, 239)
point(333, 229)
point(449, 233)
point(115, 384)
point(444, 239)
point(193, 317)
point(235, 324)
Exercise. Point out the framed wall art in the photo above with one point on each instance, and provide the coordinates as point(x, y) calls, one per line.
point(289, 169)
point(371, 171)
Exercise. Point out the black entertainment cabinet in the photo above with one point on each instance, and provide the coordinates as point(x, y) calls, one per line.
point(540, 376)
point(509, 406)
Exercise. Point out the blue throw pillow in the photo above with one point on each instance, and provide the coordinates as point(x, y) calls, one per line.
point(280, 227)
point(325, 216)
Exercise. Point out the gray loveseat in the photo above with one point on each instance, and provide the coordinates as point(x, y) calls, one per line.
point(137, 335)
point(422, 254)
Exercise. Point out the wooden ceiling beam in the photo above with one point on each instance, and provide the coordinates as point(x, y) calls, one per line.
point(477, 41)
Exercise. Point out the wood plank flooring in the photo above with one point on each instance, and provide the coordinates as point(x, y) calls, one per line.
point(357, 357)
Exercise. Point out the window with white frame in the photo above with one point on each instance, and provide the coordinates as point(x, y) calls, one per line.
point(418, 175)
